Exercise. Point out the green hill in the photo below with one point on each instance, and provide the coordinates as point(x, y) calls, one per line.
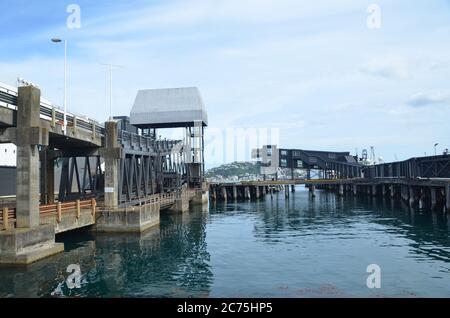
point(235, 169)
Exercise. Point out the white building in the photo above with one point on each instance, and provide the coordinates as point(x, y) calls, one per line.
point(8, 155)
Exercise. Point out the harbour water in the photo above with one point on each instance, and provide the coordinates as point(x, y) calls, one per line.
point(301, 247)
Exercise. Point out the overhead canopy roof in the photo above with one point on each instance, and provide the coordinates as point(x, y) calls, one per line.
point(168, 108)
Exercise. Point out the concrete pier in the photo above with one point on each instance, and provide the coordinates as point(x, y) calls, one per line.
point(447, 197)
point(29, 241)
point(247, 194)
point(340, 189)
point(224, 193)
point(235, 193)
point(412, 197)
point(112, 157)
point(130, 219)
point(312, 190)
point(433, 198)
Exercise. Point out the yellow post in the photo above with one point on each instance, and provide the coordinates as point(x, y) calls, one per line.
point(5, 219)
point(78, 209)
point(58, 212)
point(94, 206)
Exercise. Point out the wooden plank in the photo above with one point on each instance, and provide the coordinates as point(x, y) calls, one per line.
point(5, 219)
point(94, 206)
point(58, 211)
point(78, 209)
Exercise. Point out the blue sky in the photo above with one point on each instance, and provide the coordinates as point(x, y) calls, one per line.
point(312, 69)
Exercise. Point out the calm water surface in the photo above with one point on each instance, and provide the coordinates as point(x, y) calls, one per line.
point(269, 248)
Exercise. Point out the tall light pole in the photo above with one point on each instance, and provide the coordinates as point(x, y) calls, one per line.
point(57, 40)
point(111, 67)
point(435, 145)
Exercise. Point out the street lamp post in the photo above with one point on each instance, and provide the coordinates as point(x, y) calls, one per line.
point(435, 145)
point(57, 40)
point(111, 67)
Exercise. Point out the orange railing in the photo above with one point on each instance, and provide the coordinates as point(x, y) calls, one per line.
point(59, 208)
point(7, 218)
point(8, 215)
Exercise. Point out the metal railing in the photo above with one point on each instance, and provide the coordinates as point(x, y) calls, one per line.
point(49, 111)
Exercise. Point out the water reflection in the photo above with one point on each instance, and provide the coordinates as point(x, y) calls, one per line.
point(167, 261)
point(301, 247)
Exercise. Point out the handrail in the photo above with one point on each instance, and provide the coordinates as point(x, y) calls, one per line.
point(50, 209)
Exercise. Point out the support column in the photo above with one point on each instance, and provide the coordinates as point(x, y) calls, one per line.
point(30, 241)
point(412, 198)
point(391, 187)
point(224, 193)
point(355, 189)
point(235, 195)
point(257, 194)
point(312, 190)
point(447, 197)
point(433, 198)
point(340, 189)
point(374, 190)
point(111, 155)
point(293, 188)
point(50, 181)
point(247, 194)
point(27, 162)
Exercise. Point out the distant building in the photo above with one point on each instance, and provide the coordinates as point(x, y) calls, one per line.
point(272, 159)
point(8, 155)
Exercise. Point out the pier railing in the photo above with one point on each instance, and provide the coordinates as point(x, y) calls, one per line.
point(8, 215)
point(7, 218)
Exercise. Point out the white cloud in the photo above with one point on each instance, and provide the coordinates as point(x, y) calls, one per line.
point(431, 98)
point(388, 67)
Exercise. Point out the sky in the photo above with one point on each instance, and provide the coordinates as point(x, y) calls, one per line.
point(315, 71)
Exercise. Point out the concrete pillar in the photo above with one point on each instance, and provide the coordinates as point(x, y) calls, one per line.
point(412, 197)
point(312, 190)
point(257, 193)
point(392, 189)
point(374, 190)
point(235, 194)
point(433, 197)
point(293, 188)
point(355, 189)
point(421, 198)
point(341, 189)
point(247, 194)
point(111, 156)
point(181, 203)
point(31, 241)
point(224, 193)
point(27, 179)
point(447, 197)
